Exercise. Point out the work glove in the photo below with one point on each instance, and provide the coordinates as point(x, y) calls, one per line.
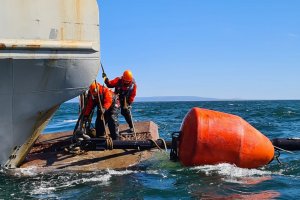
point(104, 76)
point(129, 106)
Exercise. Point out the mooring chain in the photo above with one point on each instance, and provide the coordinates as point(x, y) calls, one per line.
point(75, 149)
point(277, 156)
point(174, 152)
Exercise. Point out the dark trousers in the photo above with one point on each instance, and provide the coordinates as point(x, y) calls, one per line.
point(127, 115)
point(111, 119)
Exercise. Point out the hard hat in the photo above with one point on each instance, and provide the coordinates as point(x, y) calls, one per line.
point(127, 76)
point(93, 89)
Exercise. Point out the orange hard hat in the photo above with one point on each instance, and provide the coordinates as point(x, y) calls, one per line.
point(93, 89)
point(127, 76)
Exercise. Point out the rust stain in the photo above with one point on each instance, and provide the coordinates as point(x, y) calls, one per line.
point(2, 46)
point(63, 15)
point(33, 46)
point(74, 44)
point(79, 9)
point(62, 33)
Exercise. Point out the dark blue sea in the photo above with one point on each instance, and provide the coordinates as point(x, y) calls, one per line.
point(159, 178)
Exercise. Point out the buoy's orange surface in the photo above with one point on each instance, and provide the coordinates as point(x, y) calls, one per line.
point(211, 137)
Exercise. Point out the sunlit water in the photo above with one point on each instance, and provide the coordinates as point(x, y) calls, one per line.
point(159, 178)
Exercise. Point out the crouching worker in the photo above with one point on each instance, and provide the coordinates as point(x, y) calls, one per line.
point(109, 110)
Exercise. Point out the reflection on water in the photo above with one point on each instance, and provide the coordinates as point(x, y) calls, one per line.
point(264, 195)
point(255, 180)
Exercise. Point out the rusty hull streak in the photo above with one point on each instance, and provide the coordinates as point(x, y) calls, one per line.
point(33, 46)
point(62, 33)
point(79, 8)
point(62, 12)
point(2, 46)
point(47, 45)
point(78, 28)
point(75, 32)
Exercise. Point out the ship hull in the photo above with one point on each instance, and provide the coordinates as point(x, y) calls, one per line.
point(54, 59)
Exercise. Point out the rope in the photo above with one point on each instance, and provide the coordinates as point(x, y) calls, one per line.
point(278, 148)
point(109, 143)
point(154, 142)
point(101, 110)
point(164, 142)
point(135, 134)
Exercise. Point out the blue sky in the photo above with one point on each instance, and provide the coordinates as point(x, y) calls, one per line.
point(247, 49)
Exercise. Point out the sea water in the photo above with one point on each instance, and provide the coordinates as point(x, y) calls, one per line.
point(159, 178)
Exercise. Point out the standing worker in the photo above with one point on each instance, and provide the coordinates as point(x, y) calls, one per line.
point(125, 88)
point(108, 109)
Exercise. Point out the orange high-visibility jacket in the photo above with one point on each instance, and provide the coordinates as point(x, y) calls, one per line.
point(106, 97)
point(121, 89)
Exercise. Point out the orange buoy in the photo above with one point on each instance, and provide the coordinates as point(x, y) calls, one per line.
point(211, 137)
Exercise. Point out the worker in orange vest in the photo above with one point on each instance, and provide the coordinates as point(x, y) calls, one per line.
point(109, 109)
point(125, 89)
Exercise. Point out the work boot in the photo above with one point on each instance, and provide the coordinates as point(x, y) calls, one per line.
point(86, 137)
point(114, 136)
point(131, 130)
point(117, 138)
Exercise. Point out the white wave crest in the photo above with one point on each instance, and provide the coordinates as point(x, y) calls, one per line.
point(234, 174)
point(49, 187)
point(43, 190)
point(231, 170)
point(153, 172)
point(291, 112)
point(120, 173)
point(29, 171)
point(101, 179)
point(69, 120)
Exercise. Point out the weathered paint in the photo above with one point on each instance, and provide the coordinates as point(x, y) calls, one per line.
point(2, 46)
point(79, 7)
point(33, 46)
point(49, 53)
point(47, 45)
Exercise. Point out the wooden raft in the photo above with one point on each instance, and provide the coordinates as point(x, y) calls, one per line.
point(47, 153)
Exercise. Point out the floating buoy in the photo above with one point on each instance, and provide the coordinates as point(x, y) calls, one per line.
point(211, 137)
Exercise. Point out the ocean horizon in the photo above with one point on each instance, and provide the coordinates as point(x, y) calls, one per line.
point(189, 99)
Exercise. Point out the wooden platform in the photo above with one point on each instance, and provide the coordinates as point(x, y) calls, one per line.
point(47, 153)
